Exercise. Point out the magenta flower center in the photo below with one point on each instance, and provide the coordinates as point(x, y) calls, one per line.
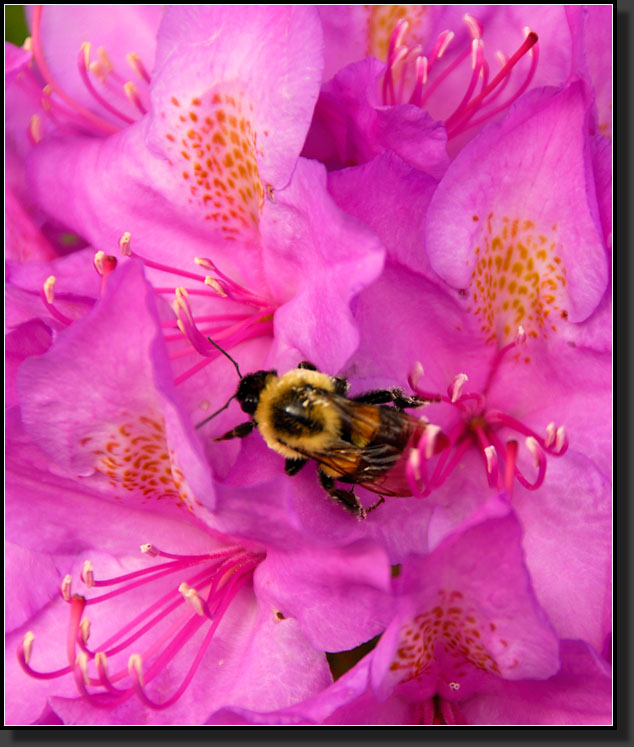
point(186, 593)
point(478, 426)
point(414, 78)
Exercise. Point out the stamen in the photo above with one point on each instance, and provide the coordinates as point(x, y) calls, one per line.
point(492, 463)
point(215, 286)
point(65, 587)
point(83, 62)
point(35, 129)
point(104, 264)
point(137, 65)
point(87, 574)
point(131, 92)
point(455, 390)
point(530, 41)
point(192, 597)
point(48, 297)
point(84, 629)
point(27, 646)
point(224, 573)
point(561, 441)
point(124, 244)
point(100, 124)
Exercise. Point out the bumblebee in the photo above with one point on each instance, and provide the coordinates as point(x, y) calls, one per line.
point(306, 414)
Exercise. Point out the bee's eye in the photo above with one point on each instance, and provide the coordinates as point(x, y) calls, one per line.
point(249, 404)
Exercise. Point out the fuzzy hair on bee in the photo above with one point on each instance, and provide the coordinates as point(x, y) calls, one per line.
point(306, 414)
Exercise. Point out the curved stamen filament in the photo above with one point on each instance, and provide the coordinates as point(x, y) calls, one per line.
point(83, 62)
point(91, 118)
point(224, 574)
point(529, 42)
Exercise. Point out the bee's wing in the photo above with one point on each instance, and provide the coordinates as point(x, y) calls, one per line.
point(378, 458)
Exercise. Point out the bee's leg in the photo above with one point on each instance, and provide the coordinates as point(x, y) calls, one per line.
point(376, 505)
point(293, 466)
point(341, 385)
point(346, 497)
point(394, 395)
point(240, 431)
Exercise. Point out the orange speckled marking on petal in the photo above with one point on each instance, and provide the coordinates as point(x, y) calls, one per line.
point(518, 278)
point(214, 151)
point(135, 458)
point(381, 20)
point(448, 625)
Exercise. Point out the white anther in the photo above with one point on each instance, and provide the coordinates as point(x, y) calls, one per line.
point(104, 59)
point(49, 288)
point(85, 48)
point(431, 433)
point(135, 662)
point(98, 261)
point(124, 244)
point(27, 645)
point(98, 70)
point(215, 285)
point(87, 574)
point(130, 91)
point(457, 386)
point(417, 374)
point(520, 336)
point(454, 685)
point(501, 58)
point(422, 67)
point(270, 193)
point(133, 59)
point(533, 447)
point(414, 460)
point(475, 46)
point(35, 128)
point(192, 598)
point(149, 549)
point(65, 587)
point(82, 662)
point(84, 629)
point(101, 661)
point(550, 435)
point(27, 46)
point(492, 458)
point(560, 438)
point(205, 263)
point(447, 39)
point(473, 25)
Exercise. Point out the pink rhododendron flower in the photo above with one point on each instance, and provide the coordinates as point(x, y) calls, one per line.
point(468, 645)
point(406, 196)
point(420, 77)
point(110, 460)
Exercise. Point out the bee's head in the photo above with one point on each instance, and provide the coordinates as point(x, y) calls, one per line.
point(250, 388)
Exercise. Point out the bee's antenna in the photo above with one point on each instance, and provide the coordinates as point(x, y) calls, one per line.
point(224, 352)
point(208, 418)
